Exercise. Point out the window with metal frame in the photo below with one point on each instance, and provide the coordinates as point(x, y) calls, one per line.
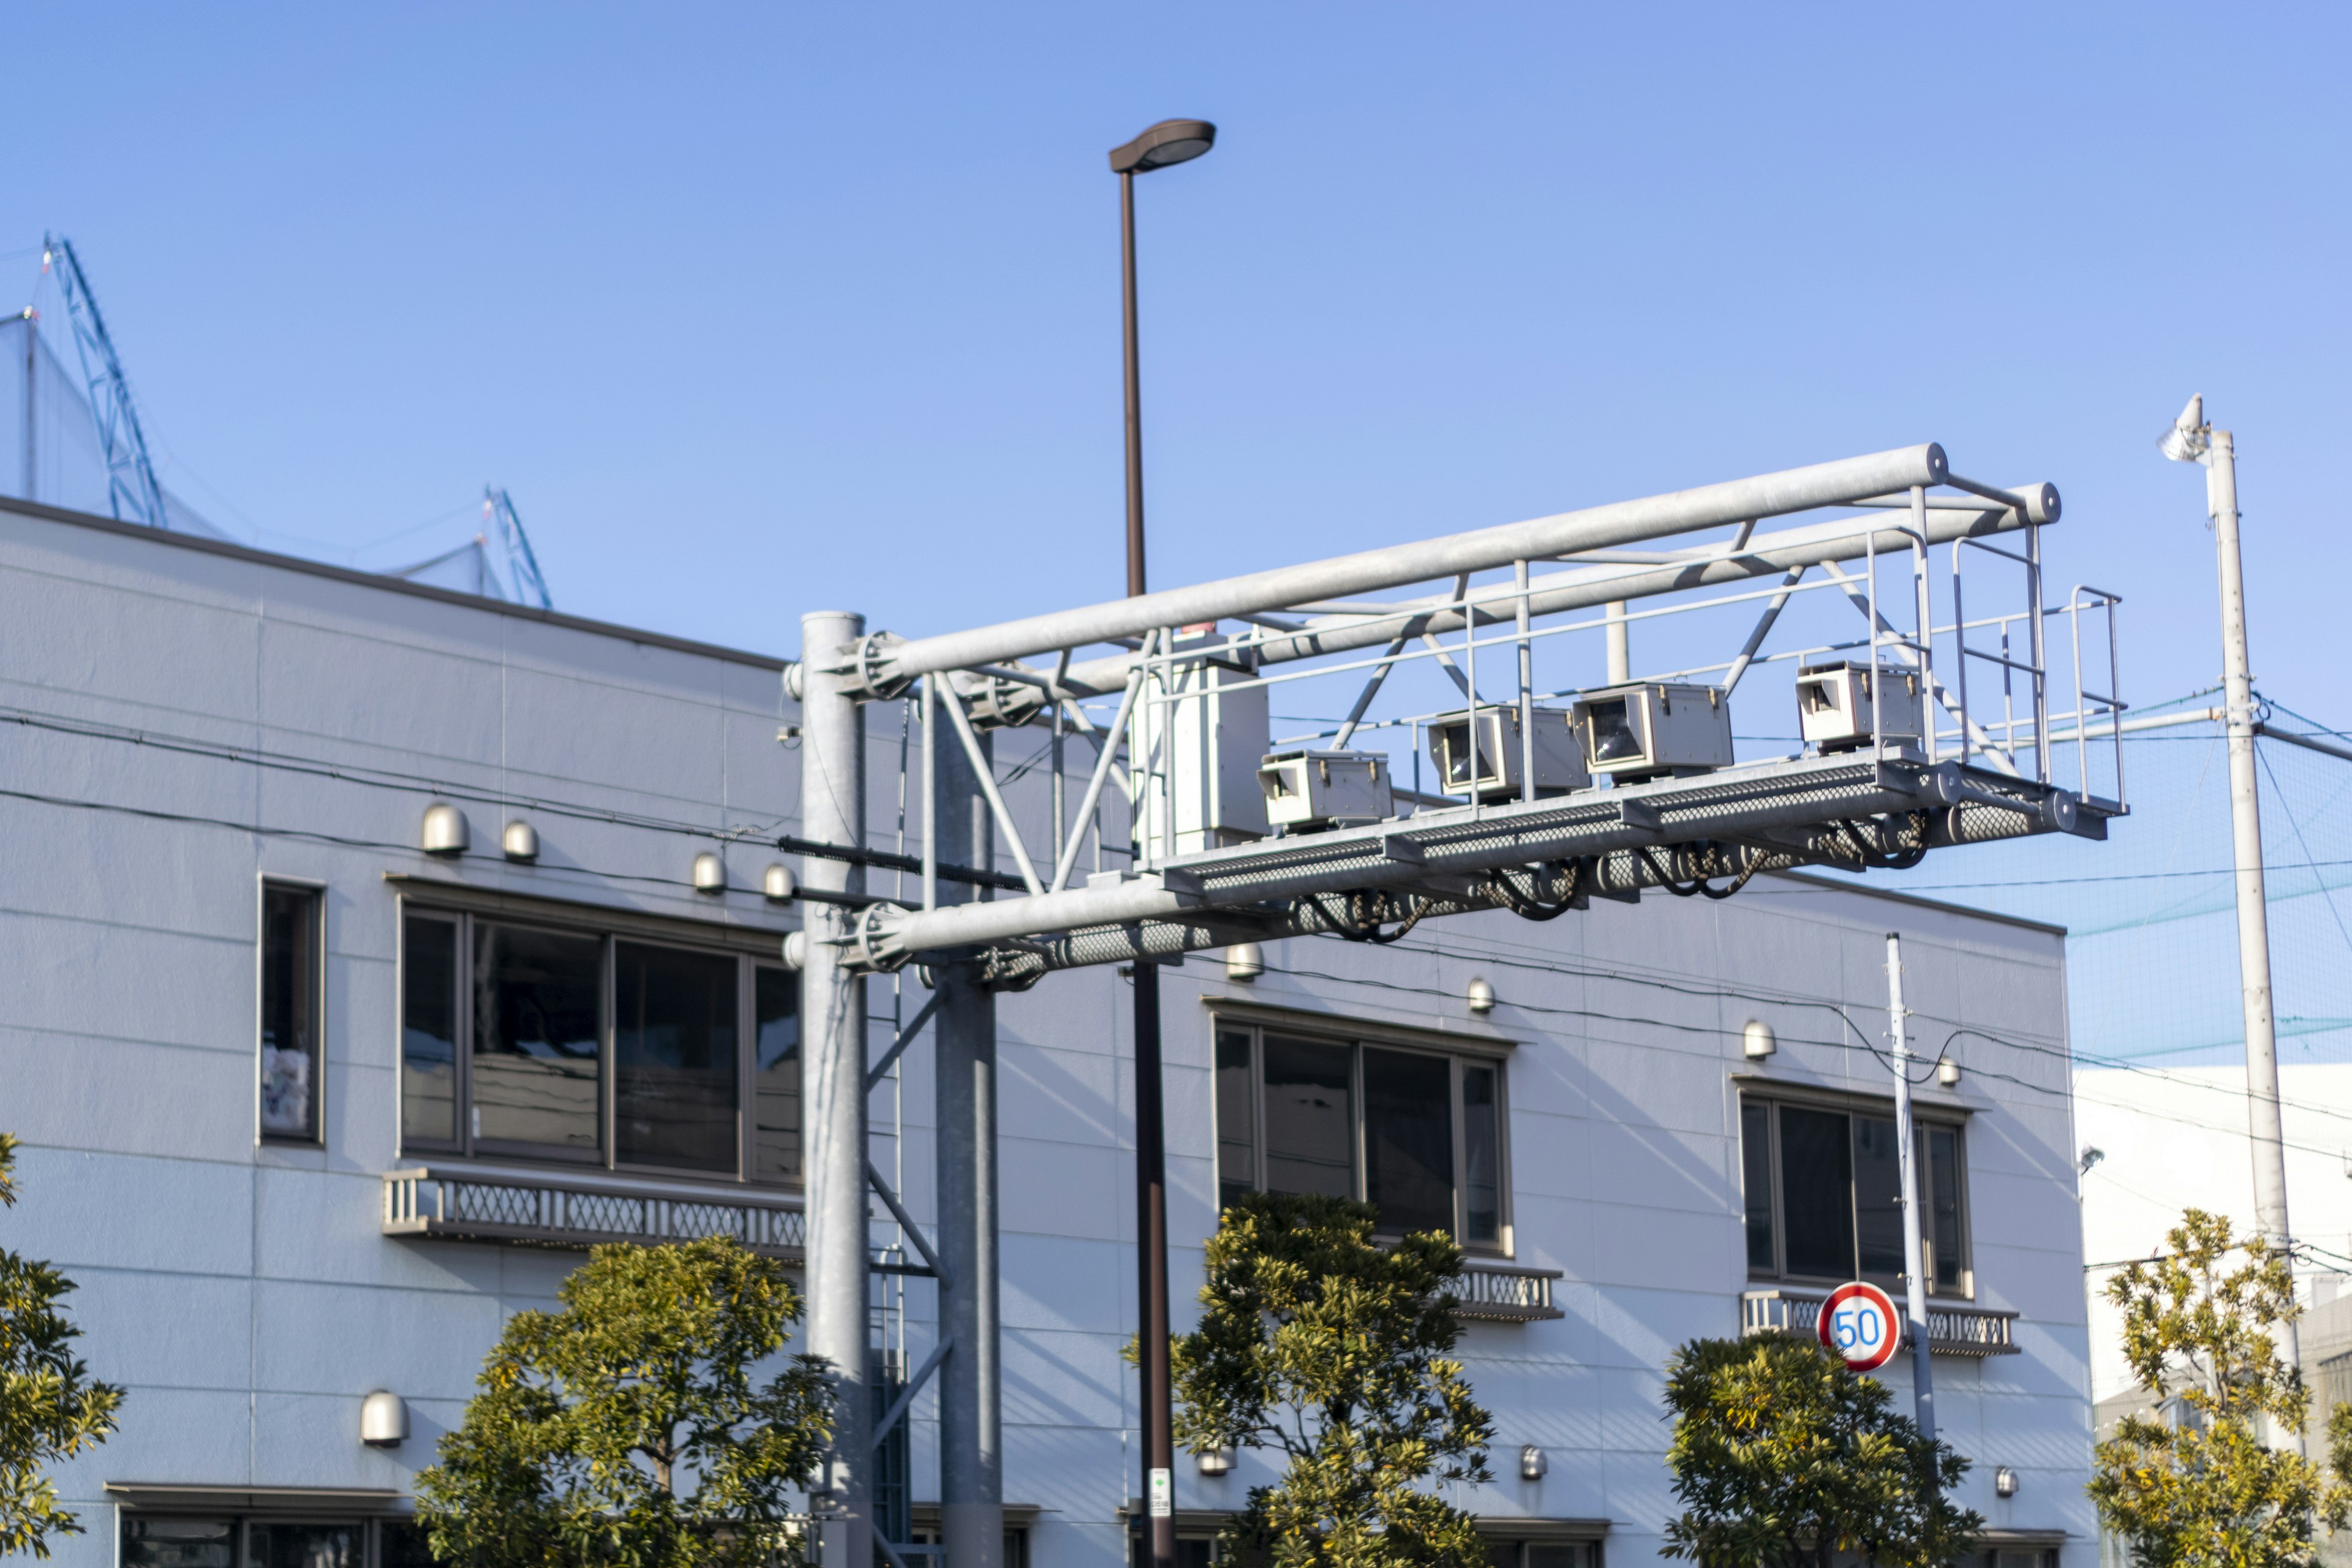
point(1416, 1131)
point(523, 1039)
point(293, 1053)
point(1821, 1194)
point(151, 1541)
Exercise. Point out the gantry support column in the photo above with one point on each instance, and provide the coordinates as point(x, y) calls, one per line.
point(833, 1022)
point(971, 1463)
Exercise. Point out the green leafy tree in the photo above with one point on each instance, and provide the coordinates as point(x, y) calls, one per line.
point(2202, 1486)
point(50, 1409)
point(630, 1429)
point(1336, 1353)
point(1783, 1459)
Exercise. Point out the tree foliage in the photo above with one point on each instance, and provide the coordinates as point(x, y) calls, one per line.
point(50, 1409)
point(2195, 1482)
point(1781, 1458)
point(630, 1429)
point(1316, 1343)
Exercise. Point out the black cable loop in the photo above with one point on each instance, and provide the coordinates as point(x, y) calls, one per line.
point(1530, 907)
point(1364, 913)
point(1902, 859)
point(1679, 889)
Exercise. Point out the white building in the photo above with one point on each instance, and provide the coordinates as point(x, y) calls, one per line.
point(305, 1106)
point(2176, 1138)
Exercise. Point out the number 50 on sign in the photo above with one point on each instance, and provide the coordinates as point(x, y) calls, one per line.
point(1860, 1326)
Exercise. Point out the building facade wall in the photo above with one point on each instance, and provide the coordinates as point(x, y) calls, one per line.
point(191, 720)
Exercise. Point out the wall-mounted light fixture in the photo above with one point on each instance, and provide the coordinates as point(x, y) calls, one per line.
point(445, 830)
point(779, 884)
point(1948, 1073)
point(2004, 1482)
point(1481, 996)
point(1215, 1462)
point(1532, 1463)
point(519, 841)
point(384, 1420)
point(2092, 1155)
point(709, 873)
point(1245, 960)
point(1755, 1041)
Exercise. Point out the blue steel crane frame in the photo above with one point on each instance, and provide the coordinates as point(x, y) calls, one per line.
point(130, 472)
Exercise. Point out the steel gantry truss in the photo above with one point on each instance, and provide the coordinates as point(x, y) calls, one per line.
point(2004, 749)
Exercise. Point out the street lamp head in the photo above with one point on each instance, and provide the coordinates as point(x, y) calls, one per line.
point(2187, 441)
point(1169, 141)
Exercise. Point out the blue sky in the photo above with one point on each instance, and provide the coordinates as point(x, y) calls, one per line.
point(758, 309)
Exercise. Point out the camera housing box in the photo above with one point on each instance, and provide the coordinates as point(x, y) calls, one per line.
point(1308, 790)
point(1653, 731)
point(1494, 772)
point(1840, 705)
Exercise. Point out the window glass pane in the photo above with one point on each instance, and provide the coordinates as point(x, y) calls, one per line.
point(178, 1542)
point(1817, 1191)
point(1944, 1206)
point(1756, 1182)
point(1408, 1140)
point(535, 1036)
point(776, 1076)
point(1481, 1155)
point(301, 1545)
point(400, 1544)
point(1236, 1141)
point(428, 1031)
point(674, 1057)
point(290, 1012)
point(1310, 1143)
point(1877, 1196)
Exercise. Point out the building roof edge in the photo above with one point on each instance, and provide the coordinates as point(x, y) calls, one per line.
point(140, 530)
point(1914, 901)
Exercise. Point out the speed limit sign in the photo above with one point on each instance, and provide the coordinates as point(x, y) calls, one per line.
point(1861, 1327)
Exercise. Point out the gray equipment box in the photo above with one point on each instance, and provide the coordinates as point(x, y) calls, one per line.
point(1493, 774)
point(1837, 705)
point(1307, 790)
point(1650, 730)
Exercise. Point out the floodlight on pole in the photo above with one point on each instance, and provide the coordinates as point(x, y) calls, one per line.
point(2187, 441)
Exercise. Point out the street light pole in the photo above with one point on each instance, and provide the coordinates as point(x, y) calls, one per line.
point(1169, 141)
point(2192, 440)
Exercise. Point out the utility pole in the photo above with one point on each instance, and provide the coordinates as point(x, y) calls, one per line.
point(1915, 1269)
point(1169, 141)
point(833, 1023)
point(2192, 440)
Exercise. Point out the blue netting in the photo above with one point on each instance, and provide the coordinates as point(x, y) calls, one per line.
point(2151, 916)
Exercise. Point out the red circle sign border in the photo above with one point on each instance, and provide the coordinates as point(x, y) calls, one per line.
point(1845, 1293)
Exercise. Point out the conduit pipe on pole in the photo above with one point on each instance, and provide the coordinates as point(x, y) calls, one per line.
point(1479, 550)
point(1766, 555)
point(833, 1011)
point(1915, 1267)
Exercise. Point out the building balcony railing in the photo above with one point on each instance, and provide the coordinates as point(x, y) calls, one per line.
point(1506, 1294)
point(1951, 1329)
point(551, 1209)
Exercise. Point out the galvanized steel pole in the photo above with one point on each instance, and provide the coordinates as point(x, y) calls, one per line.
point(833, 1022)
point(2246, 845)
point(971, 1453)
point(1915, 1269)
